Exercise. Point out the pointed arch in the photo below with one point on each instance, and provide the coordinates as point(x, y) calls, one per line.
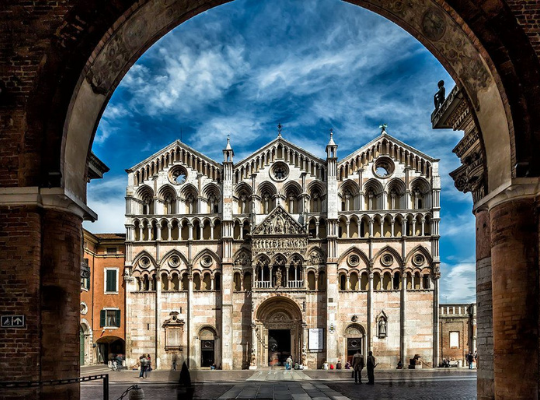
point(137, 265)
point(394, 252)
point(197, 260)
point(419, 249)
point(174, 252)
point(357, 251)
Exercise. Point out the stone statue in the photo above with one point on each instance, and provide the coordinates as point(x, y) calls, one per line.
point(438, 99)
point(278, 278)
point(382, 327)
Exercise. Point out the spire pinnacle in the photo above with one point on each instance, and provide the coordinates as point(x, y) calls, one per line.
point(228, 147)
point(331, 142)
point(279, 128)
point(383, 127)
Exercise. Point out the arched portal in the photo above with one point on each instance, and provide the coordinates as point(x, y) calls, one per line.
point(278, 332)
point(66, 82)
point(354, 340)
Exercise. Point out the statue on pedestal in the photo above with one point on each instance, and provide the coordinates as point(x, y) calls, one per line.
point(438, 99)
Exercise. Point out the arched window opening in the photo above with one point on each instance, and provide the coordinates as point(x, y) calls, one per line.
point(342, 282)
point(364, 283)
point(175, 283)
point(417, 281)
point(217, 229)
point(185, 282)
point(425, 283)
point(196, 282)
point(311, 280)
point(376, 281)
point(409, 281)
point(237, 283)
point(207, 282)
point(164, 282)
point(354, 282)
point(387, 281)
point(397, 281)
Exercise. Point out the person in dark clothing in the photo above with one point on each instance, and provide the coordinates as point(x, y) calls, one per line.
point(371, 368)
point(358, 365)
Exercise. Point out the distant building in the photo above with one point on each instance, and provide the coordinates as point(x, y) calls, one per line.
point(102, 297)
point(241, 264)
point(458, 331)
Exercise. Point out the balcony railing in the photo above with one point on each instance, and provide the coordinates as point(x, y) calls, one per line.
point(269, 285)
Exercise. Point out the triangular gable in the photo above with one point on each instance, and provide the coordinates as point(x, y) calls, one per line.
point(391, 139)
point(279, 223)
point(275, 143)
point(172, 146)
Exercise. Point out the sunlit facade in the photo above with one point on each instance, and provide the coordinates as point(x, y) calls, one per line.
point(283, 253)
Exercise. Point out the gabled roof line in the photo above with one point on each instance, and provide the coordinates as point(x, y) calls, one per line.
point(169, 147)
point(282, 140)
point(391, 138)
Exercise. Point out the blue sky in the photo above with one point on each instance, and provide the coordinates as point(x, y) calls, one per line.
point(242, 68)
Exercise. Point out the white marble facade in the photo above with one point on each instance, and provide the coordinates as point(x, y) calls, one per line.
point(283, 253)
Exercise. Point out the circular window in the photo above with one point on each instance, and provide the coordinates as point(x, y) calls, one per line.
point(354, 260)
point(418, 260)
point(84, 308)
point(144, 262)
point(279, 171)
point(387, 260)
point(383, 167)
point(207, 261)
point(174, 261)
point(178, 175)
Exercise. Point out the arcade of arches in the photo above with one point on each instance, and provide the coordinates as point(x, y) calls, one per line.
point(60, 63)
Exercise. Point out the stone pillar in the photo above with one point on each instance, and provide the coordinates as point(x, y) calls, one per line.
point(485, 385)
point(403, 317)
point(158, 343)
point(370, 312)
point(514, 263)
point(190, 342)
point(40, 250)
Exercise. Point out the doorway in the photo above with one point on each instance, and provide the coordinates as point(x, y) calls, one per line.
point(353, 345)
point(207, 353)
point(279, 346)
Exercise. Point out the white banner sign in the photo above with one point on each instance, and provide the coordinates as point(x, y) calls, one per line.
point(316, 339)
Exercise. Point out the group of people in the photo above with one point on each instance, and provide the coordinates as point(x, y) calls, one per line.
point(358, 364)
point(145, 362)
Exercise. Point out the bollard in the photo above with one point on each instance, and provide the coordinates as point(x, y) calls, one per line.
point(136, 393)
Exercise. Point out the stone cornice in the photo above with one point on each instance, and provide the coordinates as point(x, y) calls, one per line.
point(54, 198)
point(516, 189)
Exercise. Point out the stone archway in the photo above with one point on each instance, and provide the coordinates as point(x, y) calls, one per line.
point(278, 332)
point(53, 94)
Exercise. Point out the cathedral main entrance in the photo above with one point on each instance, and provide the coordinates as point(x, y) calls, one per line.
point(277, 332)
point(279, 346)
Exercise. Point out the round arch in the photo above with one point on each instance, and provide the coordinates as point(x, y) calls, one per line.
point(76, 89)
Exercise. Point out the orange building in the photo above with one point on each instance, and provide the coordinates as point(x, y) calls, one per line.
point(102, 329)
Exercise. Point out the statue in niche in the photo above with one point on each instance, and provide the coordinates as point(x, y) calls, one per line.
point(279, 226)
point(278, 278)
point(438, 99)
point(382, 327)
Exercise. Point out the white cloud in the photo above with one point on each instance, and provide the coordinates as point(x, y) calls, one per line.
point(458, 283)
point(106, 198)
point(462, 225)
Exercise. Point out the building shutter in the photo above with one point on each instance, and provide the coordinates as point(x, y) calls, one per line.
point(102, 318)
point(118, 318)
point(111, 280)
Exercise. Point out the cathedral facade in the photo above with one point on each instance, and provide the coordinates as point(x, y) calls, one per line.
point(240, 265)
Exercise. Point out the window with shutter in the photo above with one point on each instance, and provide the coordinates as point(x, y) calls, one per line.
point(110, 281)
point(102, 314)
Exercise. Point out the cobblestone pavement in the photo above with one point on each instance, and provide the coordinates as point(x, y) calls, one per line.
point(297, 385)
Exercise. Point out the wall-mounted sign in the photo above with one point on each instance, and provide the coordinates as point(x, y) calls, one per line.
point(316, 339)
point(12, 321)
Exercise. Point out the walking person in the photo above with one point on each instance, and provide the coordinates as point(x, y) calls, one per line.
point(358, 366)
point(143, 362)
point(149, 363)
point(470, 359)
point(371, 368)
